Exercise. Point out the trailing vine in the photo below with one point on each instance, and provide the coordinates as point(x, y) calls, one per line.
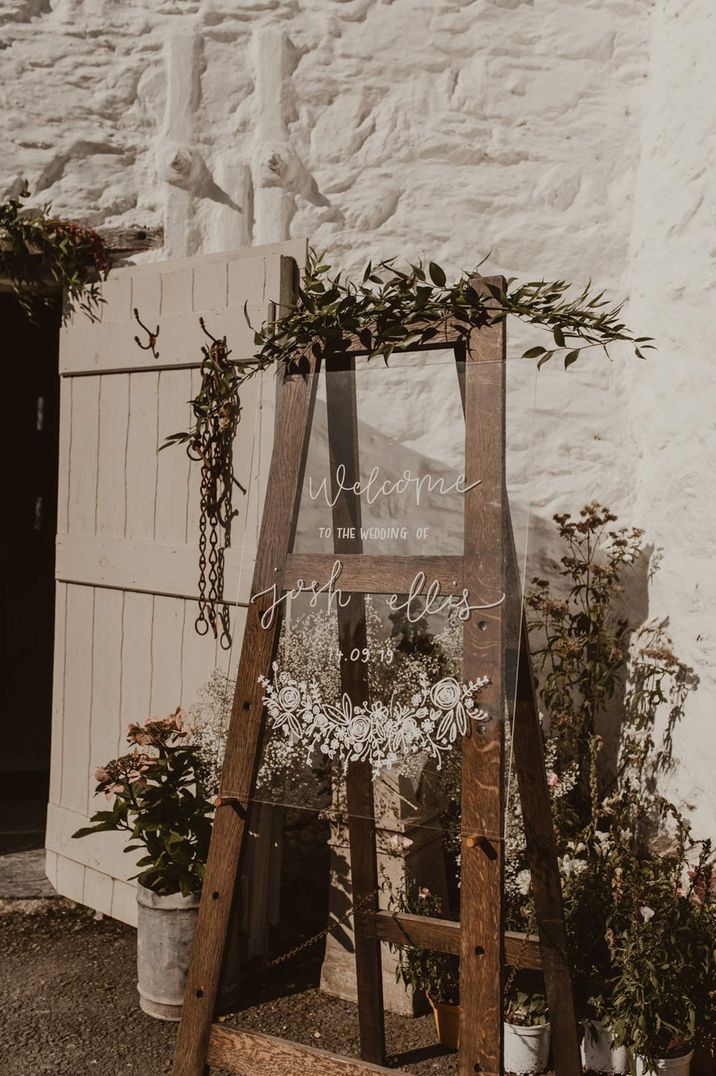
point(37, 249)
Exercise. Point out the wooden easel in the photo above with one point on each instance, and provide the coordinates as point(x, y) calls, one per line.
point(488, 568)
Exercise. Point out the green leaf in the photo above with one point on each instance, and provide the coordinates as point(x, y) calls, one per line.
point(570, 358)
point(558, 337)
point(534, 352)
point(437, 274)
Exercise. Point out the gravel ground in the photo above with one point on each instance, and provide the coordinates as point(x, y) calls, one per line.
point(68, 1003)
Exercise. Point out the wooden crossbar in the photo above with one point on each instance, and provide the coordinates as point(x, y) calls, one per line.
point(443, 936)
point(446, 335)
point(363, 573)
point(246, 1053)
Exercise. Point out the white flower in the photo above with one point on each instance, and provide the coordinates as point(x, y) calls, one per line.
point(647, 913)
point(604, 842)
point(524, 881)
point(446, 694)
point(405, 731)
point(569, 865)
point(289, 698)
point(359, 729)
point(383, 733)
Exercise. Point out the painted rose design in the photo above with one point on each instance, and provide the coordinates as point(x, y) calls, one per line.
point(289, 698)
point(359, 729)
point(446, 693)
point(384, 733)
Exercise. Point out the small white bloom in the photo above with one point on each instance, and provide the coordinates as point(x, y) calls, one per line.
point(647, 913)
point(524, 881)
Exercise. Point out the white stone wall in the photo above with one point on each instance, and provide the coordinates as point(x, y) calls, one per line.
point(569, 140)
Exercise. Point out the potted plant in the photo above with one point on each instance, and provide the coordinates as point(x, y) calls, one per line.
point(587, 898)
point(600, 1053)
point(39, 252)
point(527, 1031)
point(437, 975)
point(662, 995)
point(158, 801)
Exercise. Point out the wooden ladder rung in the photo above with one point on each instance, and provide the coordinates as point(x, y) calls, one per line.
point(443, 936)
point(246, 1053)
point(362, 573)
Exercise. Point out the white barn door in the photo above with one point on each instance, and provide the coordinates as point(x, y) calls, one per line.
point(127, 557)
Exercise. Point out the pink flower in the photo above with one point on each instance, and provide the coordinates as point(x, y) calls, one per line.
point(138, 734)
point(101, 775)
point(552, 779)
point(703, 883)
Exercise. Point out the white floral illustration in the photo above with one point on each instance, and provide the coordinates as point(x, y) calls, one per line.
point(379, 733)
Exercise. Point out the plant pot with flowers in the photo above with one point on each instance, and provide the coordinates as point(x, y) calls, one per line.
point(437, 975)
point(662, 996)
point(527, 1032)
point(158, 801)
point(41, 254)
point(587, 900)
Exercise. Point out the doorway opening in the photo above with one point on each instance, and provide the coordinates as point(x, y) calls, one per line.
point(30, 354)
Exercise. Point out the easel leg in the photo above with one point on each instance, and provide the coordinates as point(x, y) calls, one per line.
point(343, 451)
point(481, 933)
point(528, 754)
point(244, 737)
point(542, 856)
point(364, 882)
point(212, 928)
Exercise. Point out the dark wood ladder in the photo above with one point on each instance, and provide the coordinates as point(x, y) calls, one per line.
point(495, 645)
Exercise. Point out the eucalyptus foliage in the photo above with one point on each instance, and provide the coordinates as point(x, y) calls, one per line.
point(37, 249)
point(391, 309)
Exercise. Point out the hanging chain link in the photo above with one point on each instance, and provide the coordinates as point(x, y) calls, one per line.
point(316, 938)
point(213, 445)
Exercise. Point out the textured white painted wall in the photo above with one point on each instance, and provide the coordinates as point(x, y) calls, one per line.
point(568, 139)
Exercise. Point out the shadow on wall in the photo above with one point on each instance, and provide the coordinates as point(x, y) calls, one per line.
point(653, 685)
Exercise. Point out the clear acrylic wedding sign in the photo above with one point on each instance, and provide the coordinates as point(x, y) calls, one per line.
point(406, 501)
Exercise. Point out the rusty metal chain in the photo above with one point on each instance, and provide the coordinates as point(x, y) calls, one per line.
point(213, 445)
point(316, 938)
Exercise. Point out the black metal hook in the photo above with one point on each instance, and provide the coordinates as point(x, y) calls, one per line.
point(151, 344)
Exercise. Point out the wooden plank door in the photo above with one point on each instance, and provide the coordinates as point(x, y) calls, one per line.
point(127, 557)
